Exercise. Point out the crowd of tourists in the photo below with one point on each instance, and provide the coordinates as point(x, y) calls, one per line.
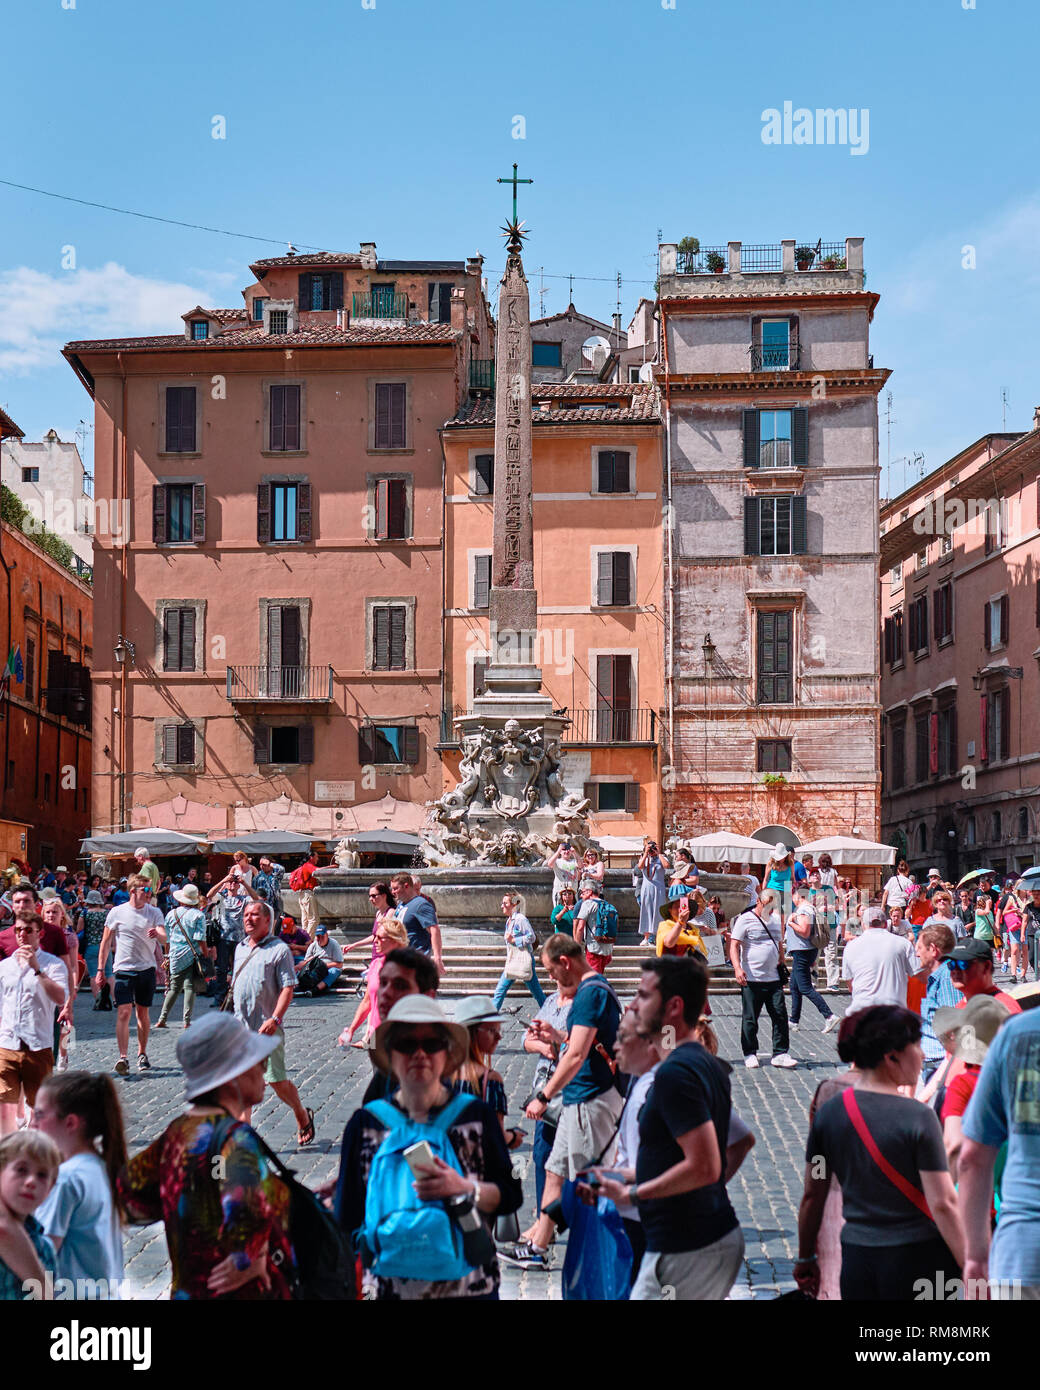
point(919, 1155)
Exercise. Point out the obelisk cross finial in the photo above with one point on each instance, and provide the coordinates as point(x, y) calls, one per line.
point(514, 230)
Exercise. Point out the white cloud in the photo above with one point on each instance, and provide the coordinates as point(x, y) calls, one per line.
point(42, 312)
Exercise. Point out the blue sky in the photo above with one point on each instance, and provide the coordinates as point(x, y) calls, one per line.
point(391, 123)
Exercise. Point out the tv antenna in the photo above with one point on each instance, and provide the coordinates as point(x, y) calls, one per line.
point(1003, 411)
point(541, 291)
point(889, 422)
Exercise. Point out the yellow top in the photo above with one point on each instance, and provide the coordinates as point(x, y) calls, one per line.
point(688, 936)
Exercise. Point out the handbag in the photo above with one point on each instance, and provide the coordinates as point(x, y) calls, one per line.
point(198, 973)
point(519, 964)
point(227, 1004)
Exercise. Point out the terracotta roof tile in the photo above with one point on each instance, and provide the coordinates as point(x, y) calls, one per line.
point(635, 404)
point(226, 315)
point(406, 334)
point(306, 258)
point(8, 426)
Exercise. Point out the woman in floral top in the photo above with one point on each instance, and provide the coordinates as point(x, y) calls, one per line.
point(225, 1210)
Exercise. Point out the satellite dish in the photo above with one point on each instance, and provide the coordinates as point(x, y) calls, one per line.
point(646, 372)
point(595, 351)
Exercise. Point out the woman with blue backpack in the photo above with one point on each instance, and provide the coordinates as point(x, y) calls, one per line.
point(423, 1175)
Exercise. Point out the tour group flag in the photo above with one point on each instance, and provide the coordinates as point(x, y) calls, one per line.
point(19, 668)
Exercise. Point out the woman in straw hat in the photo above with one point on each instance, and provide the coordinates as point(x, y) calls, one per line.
point(421, 1046)
point(186, 933)
point(208, 1180)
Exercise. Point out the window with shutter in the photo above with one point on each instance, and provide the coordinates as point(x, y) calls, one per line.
point(613, 579)
point(410, 743)
point(169, 743)
point(305, 289)
point(30, 669)
point(897, 638)
point(397, 638)
point(304, 525)
point(305, 743)
point(198, 511)
point(263, 513)
point(479, 675)
point(285, 418)
point(921, 725)
point(799, 526)
point(632, 797)
point(751, 443)
point(897, 756)
point(481, 581)
point(888, 641)
point(261, 744)
point(984, 728)
point(180, 419)
point(366, 748)
point(752, 522)
point(1005, 608)
point(179, 639)
point(484, 475)
point(186, 743)
point(159, 514)
point(613, 471)
point(389, 633)
point(774, 657)
point(391, 403)
point(800, 437)
point(773, 755)
point(391, 509)
point(614, 698)
point(285, 511)
point(590, 790)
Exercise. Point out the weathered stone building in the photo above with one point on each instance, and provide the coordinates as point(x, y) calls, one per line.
point(771, 556)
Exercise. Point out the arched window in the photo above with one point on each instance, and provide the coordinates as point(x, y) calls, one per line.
point(1023, 823)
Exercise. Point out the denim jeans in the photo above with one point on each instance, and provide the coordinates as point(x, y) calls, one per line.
point(802, 985)
point(752, 996)
point(225, 957)
point(180, 980)
point(540, 1150)
point(532, 984)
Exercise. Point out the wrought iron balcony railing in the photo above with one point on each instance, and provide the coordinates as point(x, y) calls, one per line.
point(776, 357)
point(482, 374)
point(587, 726)
point(279, 683)
point(380, 304)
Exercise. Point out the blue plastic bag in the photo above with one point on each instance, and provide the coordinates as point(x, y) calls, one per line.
point(598, 1263)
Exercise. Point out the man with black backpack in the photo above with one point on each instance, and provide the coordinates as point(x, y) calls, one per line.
point(587, 1080)
point(596, 926)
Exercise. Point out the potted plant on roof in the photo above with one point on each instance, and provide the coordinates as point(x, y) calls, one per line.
point(832, 262)
point(804, 257)
point(716, 262)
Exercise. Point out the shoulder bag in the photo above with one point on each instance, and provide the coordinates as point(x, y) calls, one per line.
point(783, 974)
point(859, 1124)
point(198, 971)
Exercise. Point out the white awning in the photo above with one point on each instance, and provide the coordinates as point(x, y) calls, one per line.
point(850, 849)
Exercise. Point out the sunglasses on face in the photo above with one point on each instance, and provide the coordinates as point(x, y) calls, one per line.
point(430, 1046)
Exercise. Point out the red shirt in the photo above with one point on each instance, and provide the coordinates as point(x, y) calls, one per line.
point(960, 1090)
point(52, 939)
point(1012, 1005)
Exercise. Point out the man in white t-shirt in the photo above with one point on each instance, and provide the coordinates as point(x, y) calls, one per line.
point(878, 963)
point(132, 929)
point(756, 951)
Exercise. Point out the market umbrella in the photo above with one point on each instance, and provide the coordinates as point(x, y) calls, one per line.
point(725, 845)
point(154, 840)
point(850, 849)
point(1029, 878)
point(265, 842)
point(977, 873)
point(384, 841)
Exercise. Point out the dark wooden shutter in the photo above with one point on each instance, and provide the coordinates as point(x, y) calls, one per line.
point(336, 287)
point(933, 743)
point(774, 658)
point(305, 743)
point(912, 631)
point(986, 626)
point(398, 431)
point(604, 576)
point(752, 535)
point(261, 744)
point(1005, 722)
point(622, 577)
point(383, 390)
point(198, 511)
point(606, 471)
point(484, 475)
point(186, 743)
point(396, 529)
point(290, 647)
point(159, 514)
point(800, 437)
point(983, 728)
point(922, 620)
point(180, 419)
point(169, 743)
point(366, 744)
point(171, 639)
point(410, 744)
point(305, 289)
point(591, 790)
point(381, 639)
point(304, 527)
point(277, 408)
point(937, 614)
point(888, 641)
point(187, 639)
point(751, 444)
point(291, 416)
point(622, 476)
point(632, 797)
point(1004, 615)
point(397, 638)
point(263, 513)
point(799, 526)
point(481, 581)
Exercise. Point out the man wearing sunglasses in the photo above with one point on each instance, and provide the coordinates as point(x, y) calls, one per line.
point(33, 986)
point(971, 969)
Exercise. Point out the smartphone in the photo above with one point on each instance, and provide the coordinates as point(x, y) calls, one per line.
point(418, 1156)
point(684, 902)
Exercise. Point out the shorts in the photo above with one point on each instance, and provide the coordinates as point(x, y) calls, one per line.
point(135, 987)
point(596, 962)
point(584, 1135)
point(23, 1070)
point(275, 1068)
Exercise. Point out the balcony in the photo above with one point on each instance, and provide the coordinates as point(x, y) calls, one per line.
point(709, 260)
point(777, 268)
point(286, 685)
point(587, 726)
point(380, 304)
point(776, 357)
point(482, 374)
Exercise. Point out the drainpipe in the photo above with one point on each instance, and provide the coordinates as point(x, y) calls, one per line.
point(670, 595)
point(123, 563)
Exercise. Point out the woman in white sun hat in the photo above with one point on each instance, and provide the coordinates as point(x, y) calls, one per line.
point(780, 871)
point(186, 933)
point(483, 1022)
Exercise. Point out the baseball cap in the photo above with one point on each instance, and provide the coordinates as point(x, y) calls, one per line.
point(967, 951)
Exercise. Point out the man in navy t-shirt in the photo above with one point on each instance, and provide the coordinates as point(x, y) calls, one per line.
point(694, 1245)
point(419, 916)
point(584, 1081)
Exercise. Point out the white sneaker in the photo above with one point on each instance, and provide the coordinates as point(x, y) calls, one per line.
point(794, 1027)
point(751, 1061)
point(784, 1060)
point(831, 1023)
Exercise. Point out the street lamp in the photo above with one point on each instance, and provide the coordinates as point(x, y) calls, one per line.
point(125, 651)
point(708, 650)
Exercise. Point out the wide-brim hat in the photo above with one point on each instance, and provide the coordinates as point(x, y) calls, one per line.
point(477, 1008)
point(217, 1049)
point(976, 1025)
point(61, 869)
point(47, 895)
point(420, 1008)
point(94, 899)
point(188, 895)
point(779, 851)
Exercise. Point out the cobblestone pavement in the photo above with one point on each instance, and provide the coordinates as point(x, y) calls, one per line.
point(765, 1192)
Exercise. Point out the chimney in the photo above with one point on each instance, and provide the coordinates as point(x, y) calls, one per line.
point(474, 264)
point(617, 325)
point(368, 255)
point(458, 309)
point(1036, 418)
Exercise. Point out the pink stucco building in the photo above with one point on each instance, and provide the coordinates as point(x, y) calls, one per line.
point(960, 683)
point(269, 593)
